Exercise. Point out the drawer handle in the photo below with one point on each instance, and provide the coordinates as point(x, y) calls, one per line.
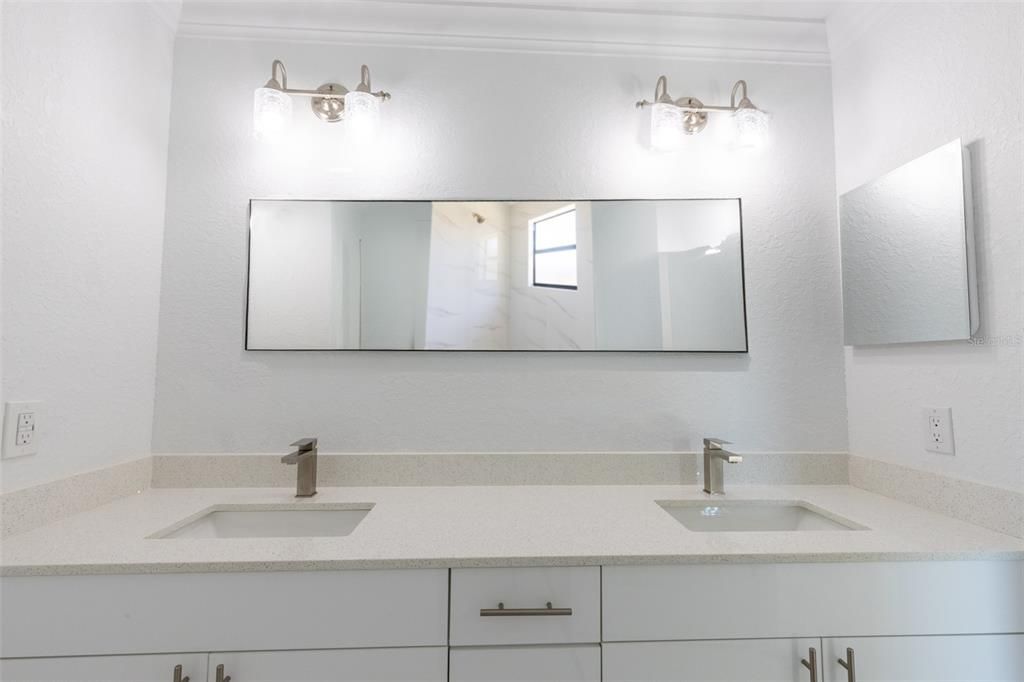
point(177, 674)
point(221, 677)
point(549, 610)
point(811, 663)
point(850, 665)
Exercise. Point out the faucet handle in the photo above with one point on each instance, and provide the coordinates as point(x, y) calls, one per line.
point(715, 443)
point(305, 444)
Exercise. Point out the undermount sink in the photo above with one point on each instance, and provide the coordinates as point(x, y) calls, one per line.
point(705, 516)
point(270, 521)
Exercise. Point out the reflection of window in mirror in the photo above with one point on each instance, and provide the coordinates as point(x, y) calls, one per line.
point(553, 246)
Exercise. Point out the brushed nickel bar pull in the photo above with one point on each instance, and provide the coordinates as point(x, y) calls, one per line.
point(811, 663)
point(177, 674)
point(221, 677)
point(549, 610)
point(850, 664)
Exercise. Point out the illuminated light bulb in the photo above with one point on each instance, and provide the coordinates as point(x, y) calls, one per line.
point(271, 113)
point(666, 126)
point(362, 116)
point(750, 128)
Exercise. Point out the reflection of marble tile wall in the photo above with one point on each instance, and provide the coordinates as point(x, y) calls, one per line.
point(550, 319)
point(468, 295)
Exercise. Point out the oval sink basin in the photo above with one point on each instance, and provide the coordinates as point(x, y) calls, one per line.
point(255, 521)
point(752, 516)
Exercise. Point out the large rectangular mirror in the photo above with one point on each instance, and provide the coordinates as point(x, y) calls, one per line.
point(908, 253)
point(496, 275)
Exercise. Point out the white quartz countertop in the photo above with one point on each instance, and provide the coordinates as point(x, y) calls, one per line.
point(471, 526)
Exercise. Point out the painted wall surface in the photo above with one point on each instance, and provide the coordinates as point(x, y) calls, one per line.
point(86, 89)
point(496, 126)
point(956, 70)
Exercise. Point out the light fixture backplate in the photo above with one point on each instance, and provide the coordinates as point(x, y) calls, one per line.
point(330, 109)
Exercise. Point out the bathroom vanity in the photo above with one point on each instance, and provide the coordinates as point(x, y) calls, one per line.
point(517, 582)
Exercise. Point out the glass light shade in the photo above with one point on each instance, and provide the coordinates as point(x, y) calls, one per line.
point(666, 126)
point(362, 116)
point(271, 112)
point(750, 128)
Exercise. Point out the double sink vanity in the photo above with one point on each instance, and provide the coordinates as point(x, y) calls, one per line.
point(513, 582)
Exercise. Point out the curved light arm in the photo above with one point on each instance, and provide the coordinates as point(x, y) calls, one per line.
point(275, 82)
point(741, 84)
point(281, 83)
point(364, 84)
point(693, 104)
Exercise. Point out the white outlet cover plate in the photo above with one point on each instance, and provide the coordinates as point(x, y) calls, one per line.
point(10, 447)
point(938, 430)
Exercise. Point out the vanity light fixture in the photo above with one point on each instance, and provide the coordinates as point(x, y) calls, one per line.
point(671, 119)
point(331, 102)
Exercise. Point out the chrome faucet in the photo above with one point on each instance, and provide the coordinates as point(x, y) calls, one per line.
point(305, 458)
point(714, 472)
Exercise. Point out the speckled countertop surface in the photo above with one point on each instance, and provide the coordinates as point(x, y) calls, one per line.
point(419, 527)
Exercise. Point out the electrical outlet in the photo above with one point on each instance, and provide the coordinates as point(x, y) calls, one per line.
point(21, 429)
point(938, 432)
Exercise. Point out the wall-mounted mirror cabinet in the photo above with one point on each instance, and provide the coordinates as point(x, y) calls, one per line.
point(908, 253)
point(639, 275)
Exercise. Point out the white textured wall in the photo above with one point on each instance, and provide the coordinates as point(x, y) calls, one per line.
point(496, 126)
point(86, 90)
point(952, 70)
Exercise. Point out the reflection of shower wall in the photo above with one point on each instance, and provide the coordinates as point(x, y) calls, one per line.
point(702, 298)
point(468, 288)
point(627, 299)
point(345, 278)
point(544, 318)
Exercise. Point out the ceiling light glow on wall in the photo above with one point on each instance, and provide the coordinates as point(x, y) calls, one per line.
point(673, 119)
point(331, 102)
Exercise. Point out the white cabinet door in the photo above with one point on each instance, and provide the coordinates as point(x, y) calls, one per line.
point(962, 658)
point(423, 664)
point(759, 660)
point(105, 668)
point(152, 613)
point(580, 663)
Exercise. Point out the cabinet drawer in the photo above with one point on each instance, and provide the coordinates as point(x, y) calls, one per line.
point(527, 664)
point(478, 595)
point(426, 664)
point(737, 601)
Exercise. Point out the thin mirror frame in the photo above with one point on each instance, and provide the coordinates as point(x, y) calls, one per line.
point(248, 276)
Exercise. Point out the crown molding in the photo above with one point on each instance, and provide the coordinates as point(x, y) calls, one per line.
point(168, 12)
point(512, 27)
point(850, 21)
